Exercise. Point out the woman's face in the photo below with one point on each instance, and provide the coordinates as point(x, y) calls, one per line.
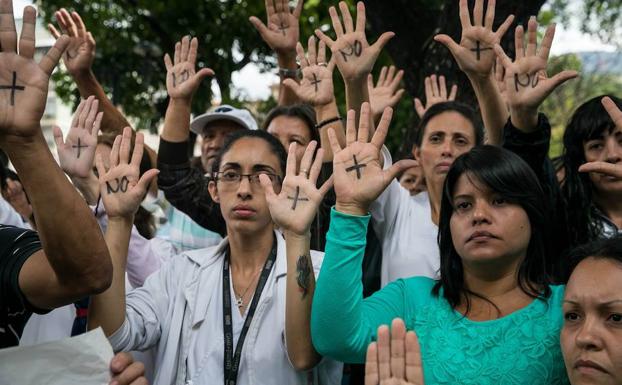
point(289, 129)
point(607, 147)
point(410, 180)
point(446, 137)
point(485, 228)
point(591, 338)
point(243, 202)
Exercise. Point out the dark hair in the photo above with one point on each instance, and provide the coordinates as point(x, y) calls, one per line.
point(277, 148)
point(508, 175)
point(610, 248)
point(303, 112)
point(461, 108)
point(589, 121)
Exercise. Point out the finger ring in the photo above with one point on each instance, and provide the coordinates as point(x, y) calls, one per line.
point(322, 64)
point(304, 172)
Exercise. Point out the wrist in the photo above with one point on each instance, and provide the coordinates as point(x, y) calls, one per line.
point(82, 75)
point(525, 119)
point(291, 236)
point(126, 220)
point(287, 59)
point(479, 81)
point(356, 80)
point(351, 208)
point(180, 103)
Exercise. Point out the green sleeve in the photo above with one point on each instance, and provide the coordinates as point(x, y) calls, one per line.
point(342, 322)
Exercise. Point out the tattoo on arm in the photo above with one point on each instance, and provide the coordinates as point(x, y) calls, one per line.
point(353, 50)
point(303, 274)
point(121, 185)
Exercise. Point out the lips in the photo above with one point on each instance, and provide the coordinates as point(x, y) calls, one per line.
point(244, 211)
point(444, 166)
point(481, 236)
point(588, 367)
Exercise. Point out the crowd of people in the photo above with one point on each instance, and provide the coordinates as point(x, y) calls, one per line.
point(298, 251)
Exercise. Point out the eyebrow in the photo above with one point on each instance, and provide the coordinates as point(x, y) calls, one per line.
point(256, 167)
point(615, 301)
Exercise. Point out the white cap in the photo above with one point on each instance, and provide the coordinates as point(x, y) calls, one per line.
point(224, 112)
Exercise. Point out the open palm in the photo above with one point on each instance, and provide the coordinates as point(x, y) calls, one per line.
point(358, 175)
point(282, 31)
point(182, 79)
point(81, 50)
point(77, 152)
point(296, 205)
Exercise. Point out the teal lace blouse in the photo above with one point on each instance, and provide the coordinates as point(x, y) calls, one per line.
point(519, 349)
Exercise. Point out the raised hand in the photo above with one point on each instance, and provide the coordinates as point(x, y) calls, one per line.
point(77, 152)
point(354, 56)
point(358, 175)
point(395, 359)
point(602, 167)
point(316, 86)
point(295, 207)
point(282, 32)
point(182, 80)
point(385, 93)
point(435, 92)
point(526, 82)
point(16, 196)
point(80, 53)
point(474, 54)
point(120, 186)
point(23, 82)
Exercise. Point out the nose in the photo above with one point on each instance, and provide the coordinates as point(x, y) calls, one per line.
point(481, 213)
point(244, 189)
point(587, 336)
point(447, 148)
point(613, 150)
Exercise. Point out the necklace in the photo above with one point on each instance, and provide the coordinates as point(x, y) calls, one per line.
point(239, 299)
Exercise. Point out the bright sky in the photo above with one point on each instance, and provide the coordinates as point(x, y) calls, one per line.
point(256, 85)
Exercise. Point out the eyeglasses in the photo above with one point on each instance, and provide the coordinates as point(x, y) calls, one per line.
point(234, 177)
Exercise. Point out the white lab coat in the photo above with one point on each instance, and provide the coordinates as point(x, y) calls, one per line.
point(169, 311)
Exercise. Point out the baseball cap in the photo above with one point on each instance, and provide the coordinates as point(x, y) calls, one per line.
point(224, 112)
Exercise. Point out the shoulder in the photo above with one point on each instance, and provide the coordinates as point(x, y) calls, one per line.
point(416, 290)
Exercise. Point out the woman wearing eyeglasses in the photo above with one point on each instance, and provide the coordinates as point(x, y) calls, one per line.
point(237, 313)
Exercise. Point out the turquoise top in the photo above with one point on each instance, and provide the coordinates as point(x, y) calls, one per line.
point(520, 348)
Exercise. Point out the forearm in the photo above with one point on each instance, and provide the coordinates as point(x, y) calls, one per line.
point(357, 93)
point(524, 118)
point(287, 61)
point(113, 120)
point(494, 110)
point(108, 308)
point(324, 113)
point(299, 296)
point(177, 121)
point(72, 239)
point(88, 187)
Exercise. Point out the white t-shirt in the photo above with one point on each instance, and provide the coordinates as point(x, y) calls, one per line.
point(404, 226)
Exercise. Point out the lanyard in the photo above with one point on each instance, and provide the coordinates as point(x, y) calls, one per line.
point(232, 360)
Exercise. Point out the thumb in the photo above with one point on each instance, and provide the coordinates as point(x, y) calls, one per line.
point(419, 107)
point(370, 82)
point(58, 137)
point(561, 78)
point(327, 185)
point(398, 167)
point(382, 41)
point(292, 85)
point(259, 25)
point(203, 73)
point(145, 180)
point(267, 186)
point(448, 42)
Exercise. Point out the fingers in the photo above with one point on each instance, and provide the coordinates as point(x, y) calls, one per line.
point(348, 24)
point(8, 34)
point(613, 110)
point(114, 152)
point(327, 185)
point(465, 18)
point(72, 29)
point(364, 121)
point(453, 93)
point(78, 113)
point(547, 42)
point(419, 107)
point(518, 42)
point(327, 40)
point(27, 38)
point(99, 165)
point(398, 333)
point(290, 169)
point(384, 353)
point(192, 52)
point(177, 54)
point(130, 372)
point(81, 28)
point(414, 367)
point(298, 9)
point(312, 51)
point(478, 13)
point(382, 76)
point(137, 154)
point(84, 112)
point(203, 73)
point(561, 78)
point(448, 42)
point(602, 168)
point(490, 14)
point(321, 52)
point(96, 125)
point(350, 127)
point(185, 48)
point(50, 60)
point(442, 85)
point(361, 17)
point(146, 179)
point(532, 36)
point(259, 26)
point(300, 55)
point(316, 167)
point(398, 167)
point(125, 146)
point(383, 128)
point(434, 82)
point(371, 365)
point(307, 158)
point(292, 85)
point(505, 59)
point(58, 138)
point(53, 31)
point(267, 186)
point(429, 92)
point(396, 98)
point(390, 76)
point(91, 115)
point(332, 11)
point(168, 63)
point(332, 139)
point(397, 80)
